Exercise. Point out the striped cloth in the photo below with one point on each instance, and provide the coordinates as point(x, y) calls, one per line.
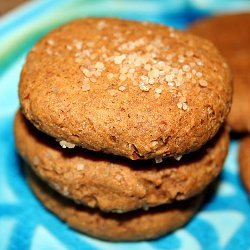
point(223, 223)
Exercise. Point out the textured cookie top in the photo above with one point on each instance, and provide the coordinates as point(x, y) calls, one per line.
point(231, 34)
point(134, 89)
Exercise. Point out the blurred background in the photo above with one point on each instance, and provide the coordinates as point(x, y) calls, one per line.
point(23, 22)
point(27, 21)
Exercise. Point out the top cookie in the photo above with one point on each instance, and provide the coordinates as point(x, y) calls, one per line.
point(129, 88)
point(230, 33)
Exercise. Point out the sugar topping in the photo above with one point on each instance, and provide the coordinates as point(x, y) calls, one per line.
point(182, 104)
point(203, 83)
point(144, 86)
point(145, 63)
point(122, 88)
point(158, 90)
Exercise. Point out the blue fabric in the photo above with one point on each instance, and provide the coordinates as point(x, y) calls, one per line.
point(223, 222)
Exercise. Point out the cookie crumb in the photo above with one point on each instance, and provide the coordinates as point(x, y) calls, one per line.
point(65, 144)
point(119, 211)
point(56, 186)
point(178, 157)
point(65, 191)
point(158, 160)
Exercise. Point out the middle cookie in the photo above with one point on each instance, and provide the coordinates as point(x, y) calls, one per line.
point(116, 184)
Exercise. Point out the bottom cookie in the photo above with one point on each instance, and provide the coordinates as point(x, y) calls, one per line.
point(131, 226)
point(244, 160)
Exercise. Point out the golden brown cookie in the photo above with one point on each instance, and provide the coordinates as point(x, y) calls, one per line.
point(230, 33)
point(133, 89)
point(114, 183)
point(136, 225)
point(244, 160)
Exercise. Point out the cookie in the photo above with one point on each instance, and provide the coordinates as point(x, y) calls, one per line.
point(244, 161)
point(128, 88)
point(136, 225)
point(230, 33)
point(115, 183)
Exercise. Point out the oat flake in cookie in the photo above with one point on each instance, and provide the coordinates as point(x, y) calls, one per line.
point(133, 89)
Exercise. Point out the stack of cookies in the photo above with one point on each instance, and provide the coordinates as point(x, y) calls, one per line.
point(121, 125)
